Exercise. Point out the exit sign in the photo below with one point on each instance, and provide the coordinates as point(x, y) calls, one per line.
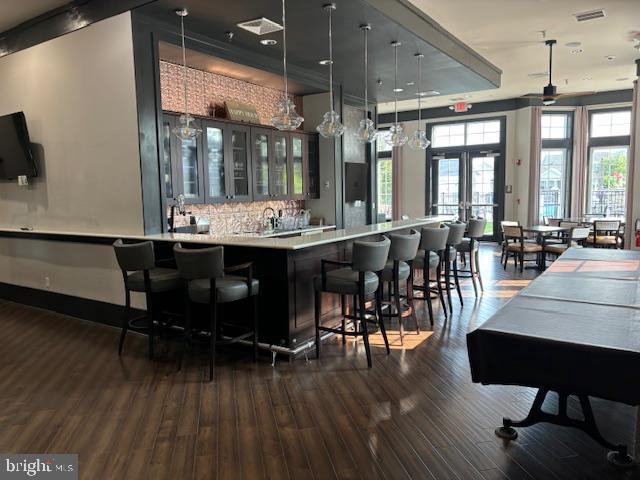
point(460, 107)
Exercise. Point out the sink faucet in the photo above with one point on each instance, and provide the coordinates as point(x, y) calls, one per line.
point(269, 220)
point(178, 205)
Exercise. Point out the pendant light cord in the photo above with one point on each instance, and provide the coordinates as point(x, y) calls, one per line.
point(419, 92)
point(366, 70)
point(550, 61)
point(184, 65)
point(330, 62)
point(395, 84)
point(284, 56)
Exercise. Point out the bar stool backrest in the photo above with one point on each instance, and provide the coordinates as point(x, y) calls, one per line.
point(456, 233)
point(434, 239)
point(404, 247)
point(370, 256)
point(197, 263)
point(476, 228)
point(133, 257)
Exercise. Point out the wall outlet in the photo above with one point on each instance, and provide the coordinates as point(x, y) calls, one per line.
point(47, 282)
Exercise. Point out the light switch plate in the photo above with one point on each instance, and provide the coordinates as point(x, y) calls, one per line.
point(508, 188)
point(23, 180)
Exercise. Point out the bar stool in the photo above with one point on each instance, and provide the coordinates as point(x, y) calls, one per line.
point(456, 234)
point(140, 274)
point(207, 283)
point(360, 278)
point(399, 267)
point(433, 242)
point(471, 245)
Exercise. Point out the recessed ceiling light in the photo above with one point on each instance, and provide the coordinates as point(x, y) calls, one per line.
point(325, 62)
point(587, 78)
point(624, 79)
point(610, 57)
point(428, 93)
point(573, 44)
point(538, 74)
point(268, 42)
point(576, 51)
point(398, 90)
point(410, 84)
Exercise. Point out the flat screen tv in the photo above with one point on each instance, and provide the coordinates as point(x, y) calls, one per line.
point(355, 182)
point(16, 156)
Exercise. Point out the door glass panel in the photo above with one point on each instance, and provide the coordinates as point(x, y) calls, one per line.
point(552, 182)
point(448, 186)
point(280, 166)
point(240, 163)
point(482, 190)
point(608, 181)
point(215, 162)
point(297, 166)
point(166, 159)
point(189, 151)
point(261, 158)
point(384, 187)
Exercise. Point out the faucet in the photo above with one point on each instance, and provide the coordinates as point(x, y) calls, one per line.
point(269, 220)
point(179, 205)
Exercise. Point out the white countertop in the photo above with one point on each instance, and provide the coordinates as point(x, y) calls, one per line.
point(290, 243)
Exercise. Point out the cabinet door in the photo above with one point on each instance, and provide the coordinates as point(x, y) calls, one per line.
point(280, 166)
point(239, 164)
point(261, 154)
point(167, 163)
point(189, 168)
point(313, 167)
point(298, 169)
point(213, 138)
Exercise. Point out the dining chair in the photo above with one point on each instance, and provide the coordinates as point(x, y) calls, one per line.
point(606, 234)
point(207, 282)
point(140, 274)
point(518, 248)
point(576, 238)
point(433, 242)
point(398, 270)
point(503, 243)
point(359, 277)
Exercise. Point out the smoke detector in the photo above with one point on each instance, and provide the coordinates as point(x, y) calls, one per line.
point(260, 26)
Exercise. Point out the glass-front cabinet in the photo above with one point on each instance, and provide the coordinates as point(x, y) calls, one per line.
point(231, 162)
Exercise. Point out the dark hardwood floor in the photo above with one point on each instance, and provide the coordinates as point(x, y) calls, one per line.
point(414, 415)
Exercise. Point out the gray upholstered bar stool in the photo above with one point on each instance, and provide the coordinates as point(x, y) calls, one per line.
point(471, 245)
point(140, 274)
point(360, 277)
point(433, 243)
point(456, 234)
point(399, 268)
point(208, 284)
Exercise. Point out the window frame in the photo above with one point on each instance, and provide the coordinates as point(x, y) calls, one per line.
point(565, 144)
point(618, 141)
point(386, 155)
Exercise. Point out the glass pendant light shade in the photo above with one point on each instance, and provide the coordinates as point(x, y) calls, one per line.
point(287, 118)
point(419, 140)
point(185, 129)
point(396, 136)
point(330, 126)
point(366, 132)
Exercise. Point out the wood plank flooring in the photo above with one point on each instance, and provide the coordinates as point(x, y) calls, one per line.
point(414, 415)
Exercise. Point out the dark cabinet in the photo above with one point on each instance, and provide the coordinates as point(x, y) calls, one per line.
point(233, 162)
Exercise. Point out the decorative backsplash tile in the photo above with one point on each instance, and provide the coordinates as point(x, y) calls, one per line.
point(228, 218)
point(206, 88)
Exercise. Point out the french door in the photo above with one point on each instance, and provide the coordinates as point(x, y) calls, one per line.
point(469, 183)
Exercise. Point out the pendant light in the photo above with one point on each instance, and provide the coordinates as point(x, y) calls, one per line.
point(418, 139)
point(330, 126)
point(287, 118)
point(366, 131)
point(185, 130)
point(396, 137)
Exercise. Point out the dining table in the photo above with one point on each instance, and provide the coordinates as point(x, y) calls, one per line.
point(541, 233)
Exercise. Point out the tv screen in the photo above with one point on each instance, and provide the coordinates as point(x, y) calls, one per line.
point(355, 184)
point(16, 156)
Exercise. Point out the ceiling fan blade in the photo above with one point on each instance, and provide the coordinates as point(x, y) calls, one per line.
point(574, 94)
point(531, 95)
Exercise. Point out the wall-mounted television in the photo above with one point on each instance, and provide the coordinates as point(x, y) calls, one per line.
point(16, 156)
point(356, 177)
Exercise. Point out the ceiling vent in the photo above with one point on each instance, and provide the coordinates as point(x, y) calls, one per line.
point(590, 15)
point(260, 26)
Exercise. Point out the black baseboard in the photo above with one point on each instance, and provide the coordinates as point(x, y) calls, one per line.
point(83, 308)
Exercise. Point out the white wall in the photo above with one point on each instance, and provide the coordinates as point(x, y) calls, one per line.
point(78, 95)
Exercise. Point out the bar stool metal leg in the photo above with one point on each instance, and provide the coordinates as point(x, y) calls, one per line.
point(383, 329)
point(318, 299)
point(477, 267)
point(214, 329)
point(363, 321)
point(254, 308)
point(447, 279)
point(398, 304)
point(456, 279)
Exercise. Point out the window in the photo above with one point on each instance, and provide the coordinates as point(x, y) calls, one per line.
point(469, 133)
point(611, 124)
point(384, 187)
point(555, 155)
point(609, 139)
point(554, 126)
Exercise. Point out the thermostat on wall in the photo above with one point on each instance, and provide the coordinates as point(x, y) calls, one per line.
point(23, 180)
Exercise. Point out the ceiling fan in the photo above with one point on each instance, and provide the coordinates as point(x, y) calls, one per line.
point(549, 93)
